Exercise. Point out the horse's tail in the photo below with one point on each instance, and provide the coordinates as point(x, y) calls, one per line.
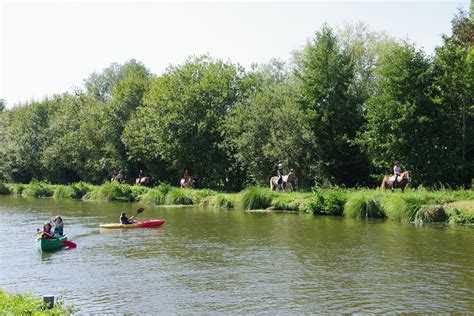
point(271, 183)
point(383, 186)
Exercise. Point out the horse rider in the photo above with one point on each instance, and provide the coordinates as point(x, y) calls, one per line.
point(114, 175)
point(120, 176)
point(280, 174)
point(186, 175)
point(141, 175)
point(396, 171)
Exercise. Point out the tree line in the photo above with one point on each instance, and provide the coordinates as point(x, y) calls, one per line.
point(339, 112)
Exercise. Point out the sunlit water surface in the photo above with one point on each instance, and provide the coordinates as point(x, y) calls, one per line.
point(218, 261)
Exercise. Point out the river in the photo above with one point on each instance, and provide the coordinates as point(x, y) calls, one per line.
point(219, 261)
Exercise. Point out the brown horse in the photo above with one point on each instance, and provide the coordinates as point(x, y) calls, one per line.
point(401, 183)
point(289, 182)
point(143, 181)
point(186, 184)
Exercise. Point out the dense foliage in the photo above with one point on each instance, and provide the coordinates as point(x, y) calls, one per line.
point(339, 113)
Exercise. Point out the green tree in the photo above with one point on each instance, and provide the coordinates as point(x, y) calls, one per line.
point(333, 109)
point(453, 92)
point(22, 130)
point(268, 127)
point(403, 123)
point(178, 124)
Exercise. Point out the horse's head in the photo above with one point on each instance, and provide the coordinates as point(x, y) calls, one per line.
point(406, 175)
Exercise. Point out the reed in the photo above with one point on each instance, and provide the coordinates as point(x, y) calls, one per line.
point(179, 197)
point(255, 198)
point(364, 205)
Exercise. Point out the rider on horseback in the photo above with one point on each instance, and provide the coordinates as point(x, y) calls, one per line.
point(141, 175)
point(396, 171)
point(280, 174)
point(186, 175)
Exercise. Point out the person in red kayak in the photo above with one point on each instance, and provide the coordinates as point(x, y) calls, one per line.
point(125, 220)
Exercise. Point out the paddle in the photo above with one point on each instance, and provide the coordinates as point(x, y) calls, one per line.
point(67, 243)
point(140, 210)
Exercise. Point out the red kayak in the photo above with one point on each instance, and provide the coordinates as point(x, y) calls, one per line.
point(142, 224)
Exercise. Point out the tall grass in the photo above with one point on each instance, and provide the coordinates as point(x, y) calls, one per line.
point(179, 197)
point(4, 189)
point(38, 189)
point(112, 191)
point(154, 197)
point(364, 205)
point(255, 198)
point(431, 214)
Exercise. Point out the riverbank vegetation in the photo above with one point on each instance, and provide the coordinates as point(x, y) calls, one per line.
point(419, 205)
point(339, 112)
point(27, 304)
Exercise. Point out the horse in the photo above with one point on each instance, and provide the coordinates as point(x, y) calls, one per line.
point(186, 184)
point(401, 183)
point(143, 181)
point(288, 182)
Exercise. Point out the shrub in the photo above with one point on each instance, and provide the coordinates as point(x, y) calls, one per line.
point(4, 189)
point(17, 188)
point(256, 198)
point(79, 189)
point(38, 189)
point(363, 205)
point(62, 192)
point(329, 202)
point(154, 197)
point(27, 304)
point(179, 197)
point(112, 191)
point(223, 202)
point(164, 188)
point(200, 195)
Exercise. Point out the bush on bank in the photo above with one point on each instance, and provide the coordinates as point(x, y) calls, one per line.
point(27, 304)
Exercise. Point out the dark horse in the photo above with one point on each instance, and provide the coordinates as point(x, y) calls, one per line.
point(401, 183)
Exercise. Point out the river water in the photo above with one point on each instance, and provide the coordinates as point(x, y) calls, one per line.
point(218, 261)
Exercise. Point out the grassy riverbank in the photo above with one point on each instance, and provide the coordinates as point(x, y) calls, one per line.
point(27, 304)
point(415, 205)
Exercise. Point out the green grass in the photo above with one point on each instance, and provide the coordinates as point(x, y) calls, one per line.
point(179, 197)
point(363, 205)
point(27, 304)
point(255, 198)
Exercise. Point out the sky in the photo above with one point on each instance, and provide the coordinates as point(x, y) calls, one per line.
point(51, 47)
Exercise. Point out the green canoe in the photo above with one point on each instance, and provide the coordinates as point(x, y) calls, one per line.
point(44, 244)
